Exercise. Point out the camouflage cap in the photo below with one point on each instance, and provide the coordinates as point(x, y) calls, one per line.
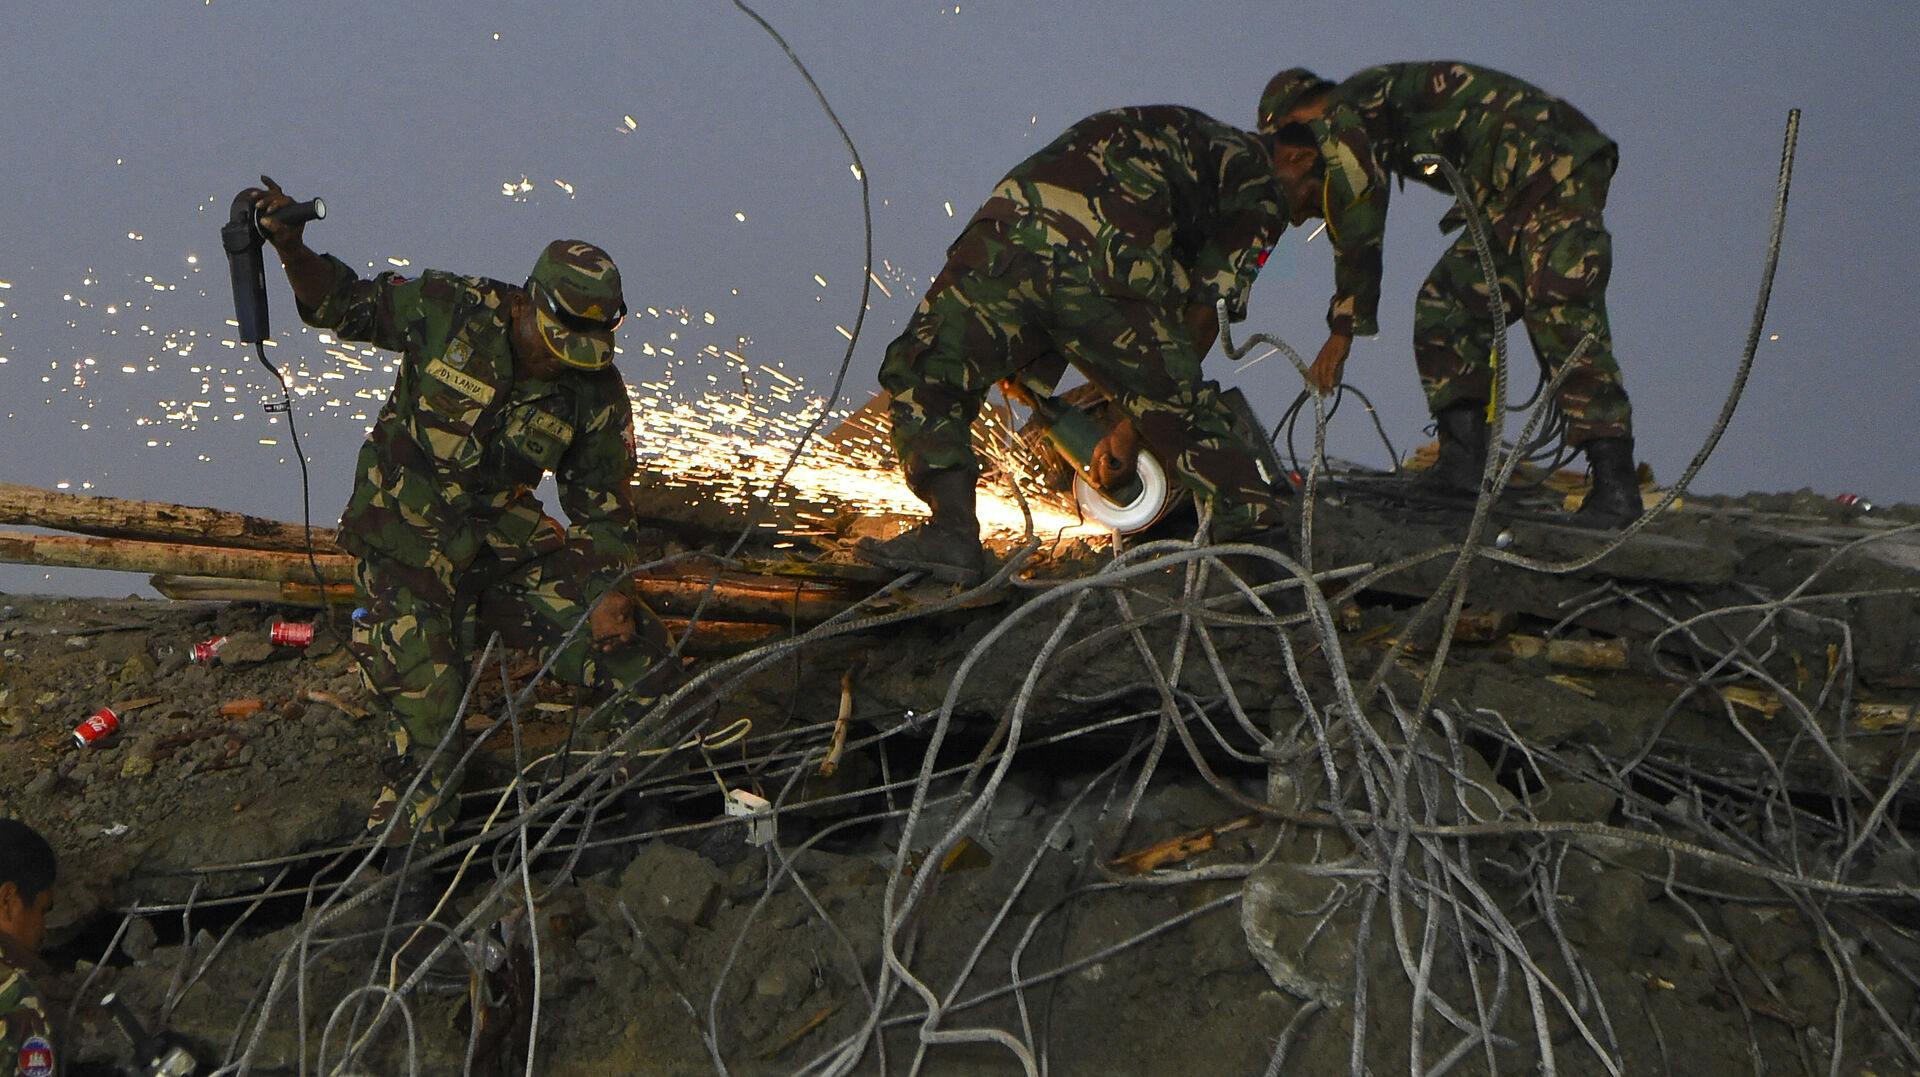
point(575, 288)
point(1284, 91)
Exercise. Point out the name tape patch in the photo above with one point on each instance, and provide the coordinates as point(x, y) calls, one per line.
point(550, 426)
point(465, 383)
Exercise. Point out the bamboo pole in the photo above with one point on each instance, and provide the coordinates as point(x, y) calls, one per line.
point(116, 517)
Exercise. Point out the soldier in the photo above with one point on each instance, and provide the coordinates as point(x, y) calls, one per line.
point(26, 892)
point(496, 386)
point(1538, 171)
point(1106, 250)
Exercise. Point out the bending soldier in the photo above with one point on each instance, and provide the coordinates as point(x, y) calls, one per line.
point(496, 386)
point(1107, 250)
point(1538, 172)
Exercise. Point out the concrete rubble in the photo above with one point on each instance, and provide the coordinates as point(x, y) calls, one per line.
point(1654, 819)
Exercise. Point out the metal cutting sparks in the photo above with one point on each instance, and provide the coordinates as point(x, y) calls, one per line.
point(733, 445)
point(729, 440)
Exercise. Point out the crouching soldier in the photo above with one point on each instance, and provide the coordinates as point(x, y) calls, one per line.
point(497, 384)
point(1106, 250)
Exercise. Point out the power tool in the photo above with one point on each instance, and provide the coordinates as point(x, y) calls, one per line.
point(243, 237)
point(1132, 504)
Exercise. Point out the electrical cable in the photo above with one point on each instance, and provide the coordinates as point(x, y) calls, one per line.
point(284, 406)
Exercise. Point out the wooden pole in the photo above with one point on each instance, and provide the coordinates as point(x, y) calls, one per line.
point(185, 559)
point(712, 639)
point(216, 589)
point(739, 596)
point(751, 600)
point(116, 517)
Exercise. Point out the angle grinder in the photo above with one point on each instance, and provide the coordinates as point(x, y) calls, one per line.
point(1127, 506)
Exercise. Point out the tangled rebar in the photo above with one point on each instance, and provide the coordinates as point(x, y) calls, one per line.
point(1406, 884)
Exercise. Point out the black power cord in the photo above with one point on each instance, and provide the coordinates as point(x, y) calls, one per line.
point(284, 406)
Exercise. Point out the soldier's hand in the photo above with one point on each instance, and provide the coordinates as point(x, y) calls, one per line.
point(612, 621)
point(1324, 375)
point(1113, 458)
point(284, 237)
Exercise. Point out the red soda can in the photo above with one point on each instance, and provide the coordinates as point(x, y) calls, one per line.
point(102, 724)
point(206, 651)
point(291, 634)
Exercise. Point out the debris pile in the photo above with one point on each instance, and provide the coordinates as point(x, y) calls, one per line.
point(1448, 787)
point(1128, 815)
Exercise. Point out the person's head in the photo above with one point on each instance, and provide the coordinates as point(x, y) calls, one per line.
point(1298, 168)
point(1292, 99)
point(1295, 95)
point(26, 883)
point(564, 318)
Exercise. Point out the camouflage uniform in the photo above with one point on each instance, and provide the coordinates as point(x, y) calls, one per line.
point(26, 1034)
point(451, 541)
point(1088, 253)
point(1537, 170)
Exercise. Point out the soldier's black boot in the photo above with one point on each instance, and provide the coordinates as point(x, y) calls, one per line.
point(1463, 450)
point(1613, 492)
point(946, 547)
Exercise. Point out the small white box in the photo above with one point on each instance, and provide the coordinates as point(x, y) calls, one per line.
point(757, 812)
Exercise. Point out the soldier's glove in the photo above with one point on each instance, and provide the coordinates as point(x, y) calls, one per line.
point(612, 621)
point(1114, 457)
point(283, 235)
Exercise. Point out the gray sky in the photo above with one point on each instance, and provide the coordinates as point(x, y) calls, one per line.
point(124, 121)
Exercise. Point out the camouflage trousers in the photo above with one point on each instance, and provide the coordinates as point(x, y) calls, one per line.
point(1553, 271)
point(997, 310)
point(424, 622)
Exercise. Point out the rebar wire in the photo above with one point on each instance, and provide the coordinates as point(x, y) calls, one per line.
point(755, 506)
point(1381, 783)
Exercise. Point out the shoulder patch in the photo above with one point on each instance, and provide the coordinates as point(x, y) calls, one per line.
point(458, 352)
point(36, 1057)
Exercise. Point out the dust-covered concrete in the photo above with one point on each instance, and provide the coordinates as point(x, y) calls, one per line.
point(1596, 846)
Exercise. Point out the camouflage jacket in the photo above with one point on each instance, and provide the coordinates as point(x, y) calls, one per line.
point(452, 460)
point(26, 1035)
point(1158, 202)
point(1512, 143)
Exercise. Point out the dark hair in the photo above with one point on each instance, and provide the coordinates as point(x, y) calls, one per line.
point(26, 860)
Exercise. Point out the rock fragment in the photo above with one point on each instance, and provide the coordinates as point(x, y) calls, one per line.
point(672, 883)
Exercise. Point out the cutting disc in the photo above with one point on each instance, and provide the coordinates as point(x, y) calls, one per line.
point(1138, 514)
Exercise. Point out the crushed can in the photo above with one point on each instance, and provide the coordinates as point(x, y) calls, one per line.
point(1854, 501)
point(290, 634)
point(206, 651)
point(100, 725)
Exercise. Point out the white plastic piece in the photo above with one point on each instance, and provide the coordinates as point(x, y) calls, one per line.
point(757, 812)
point(1141, 512)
